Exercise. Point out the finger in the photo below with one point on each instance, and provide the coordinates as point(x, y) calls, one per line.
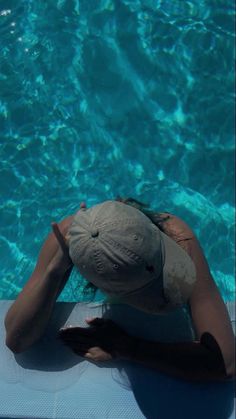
point(78, 340)
point(76, 332)
point(95, 321)
point(89, 319)
point(78, 352)
point(59, 237)
point(83, 352)
point(81, 334)
point(78, 346)
point(85, 355)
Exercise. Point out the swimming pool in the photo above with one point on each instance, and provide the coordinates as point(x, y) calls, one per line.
point(129, 98)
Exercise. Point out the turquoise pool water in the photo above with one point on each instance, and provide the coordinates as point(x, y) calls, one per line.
point(106, 98)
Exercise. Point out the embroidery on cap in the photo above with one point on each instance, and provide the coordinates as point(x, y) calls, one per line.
point(97, 258)
point(118, 222)
point(126, 251)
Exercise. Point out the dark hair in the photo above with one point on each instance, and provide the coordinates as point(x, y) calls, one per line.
point(155, 217)
point(90, 289)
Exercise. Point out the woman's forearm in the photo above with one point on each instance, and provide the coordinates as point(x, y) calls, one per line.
point(28, 317)
point(188, 360)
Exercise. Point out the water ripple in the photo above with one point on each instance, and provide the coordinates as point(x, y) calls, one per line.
point(131, 97)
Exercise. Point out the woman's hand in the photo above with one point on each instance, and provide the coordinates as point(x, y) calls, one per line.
point(103, 341)
point(61, 261)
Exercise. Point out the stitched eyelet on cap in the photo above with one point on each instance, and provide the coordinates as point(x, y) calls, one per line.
point(94, 232)
point(135, 237)
point(115, 266)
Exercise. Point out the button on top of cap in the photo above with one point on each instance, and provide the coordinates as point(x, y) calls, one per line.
point(94, 232)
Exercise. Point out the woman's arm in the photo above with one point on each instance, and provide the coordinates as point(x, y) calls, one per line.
point(104, 340)
point(28, 316)
point(209, 313)
point(193, 361)
point(211, 358)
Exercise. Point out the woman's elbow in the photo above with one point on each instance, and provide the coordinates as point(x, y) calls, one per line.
point(20, 342)
point(14, 346)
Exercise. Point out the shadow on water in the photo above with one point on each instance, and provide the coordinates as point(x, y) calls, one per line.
point(49, 354)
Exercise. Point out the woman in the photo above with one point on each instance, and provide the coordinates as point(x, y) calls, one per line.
point(150, 261)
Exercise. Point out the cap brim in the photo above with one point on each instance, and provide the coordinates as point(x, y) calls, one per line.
point(179, 273)
point(172, 288)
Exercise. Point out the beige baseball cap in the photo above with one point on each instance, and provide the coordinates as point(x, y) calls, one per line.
point(123, 253)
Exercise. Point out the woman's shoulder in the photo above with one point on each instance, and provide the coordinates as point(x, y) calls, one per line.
point(179, 230)
point(175, 227)
point(66, 222)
